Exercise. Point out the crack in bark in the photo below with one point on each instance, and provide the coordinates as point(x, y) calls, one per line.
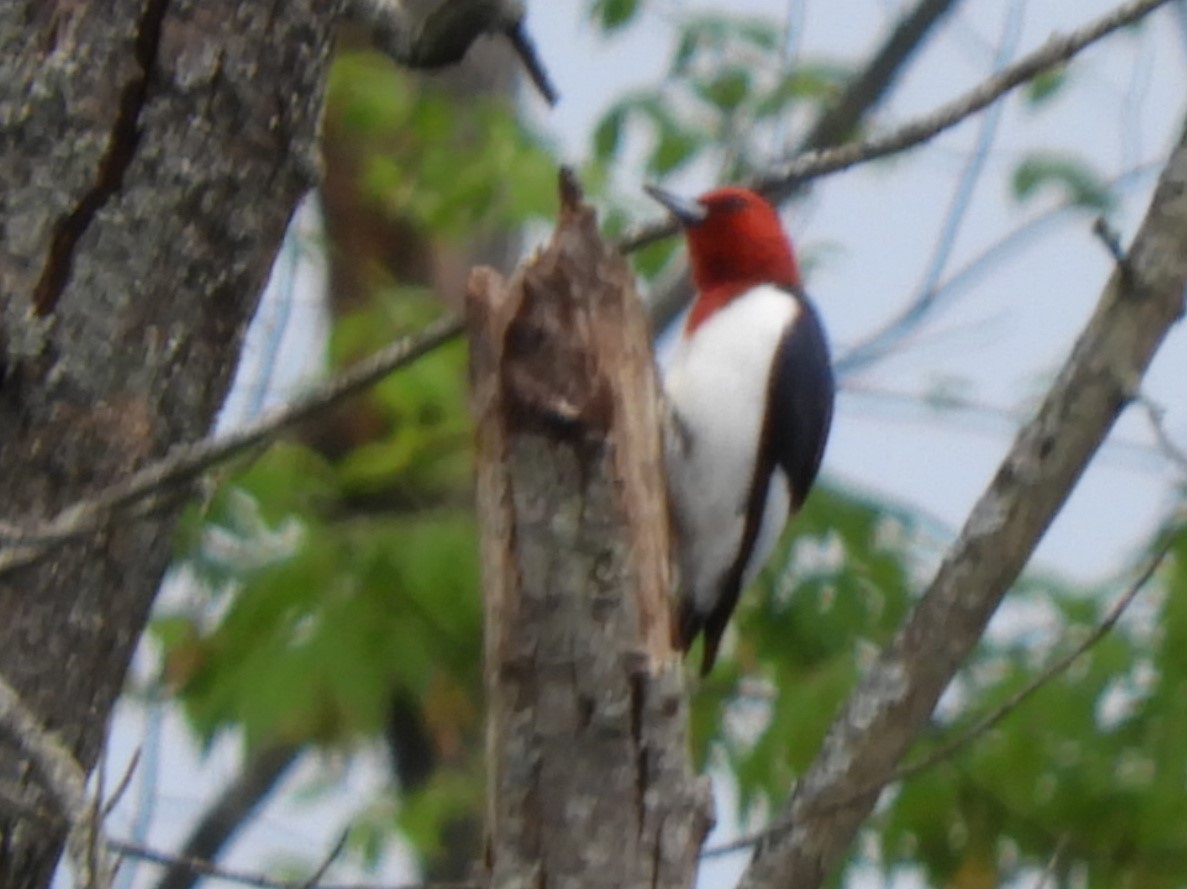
point(125, 135)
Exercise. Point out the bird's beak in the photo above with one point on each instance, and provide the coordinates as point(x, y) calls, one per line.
point(686, 211)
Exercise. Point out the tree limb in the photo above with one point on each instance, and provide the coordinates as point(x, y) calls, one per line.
point(894, 701)
point(223, 817)
point(22, 544)
point(867, 88)
point(1058, 49)
point(986, 722)
point(838, 123)
point(202, 868)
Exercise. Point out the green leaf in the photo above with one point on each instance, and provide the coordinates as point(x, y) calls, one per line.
point(727, 89)
point(676, 147)
point(613, 15)
point(1069, 174)
point(1045, 85)
point(608, 134)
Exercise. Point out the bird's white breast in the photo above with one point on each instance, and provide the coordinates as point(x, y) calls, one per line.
point(717, 382)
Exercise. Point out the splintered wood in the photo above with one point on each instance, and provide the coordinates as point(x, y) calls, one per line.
point(590, 779)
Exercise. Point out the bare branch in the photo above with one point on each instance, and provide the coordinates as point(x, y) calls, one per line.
point(882, 340)
point(66, 782)
point(1051, 671)
point(1109, 237)
point(868, 87)
point(124, 783)
point(23, 544)
point(228, 811)
point(895, 699)
point(433, 35)
point(875, 344)
point(201, 867)
point(991, 719)
point(1057, 50)
point(1156, 414)
point(1049, 870)
point(330, 857)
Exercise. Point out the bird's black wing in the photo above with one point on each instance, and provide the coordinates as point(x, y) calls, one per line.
point(802, 395)
point(793, 438)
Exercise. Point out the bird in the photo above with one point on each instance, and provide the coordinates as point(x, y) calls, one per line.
point(749, 393)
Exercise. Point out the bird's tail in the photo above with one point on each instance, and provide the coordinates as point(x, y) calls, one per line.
point(689, 624)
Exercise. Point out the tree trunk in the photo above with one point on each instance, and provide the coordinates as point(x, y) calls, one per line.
point(590, 780)
point(152, 153)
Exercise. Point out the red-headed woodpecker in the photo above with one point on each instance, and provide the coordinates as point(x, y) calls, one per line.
point(750, 389)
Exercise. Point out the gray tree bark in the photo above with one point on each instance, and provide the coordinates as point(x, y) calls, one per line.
point(590, 779)
point(151, 153)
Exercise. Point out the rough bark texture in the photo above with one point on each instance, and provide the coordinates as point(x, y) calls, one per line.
point(893, 703)
point(590, 781)
point(152, 152)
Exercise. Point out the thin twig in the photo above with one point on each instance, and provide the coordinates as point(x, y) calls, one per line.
point(927, 292)
point(1055, 51)
point(250, 878)
point(327, 861)
point(124, 783)
point(1156, 414)
point(1060, 665)
point(185, 462)
point(66, 782)
point(858, 355)
point(1109, 237)
point(25, 544)
point(991, 719)
point(1052, 863)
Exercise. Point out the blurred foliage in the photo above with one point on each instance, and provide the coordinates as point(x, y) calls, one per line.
point(1091, 764)
point(451, 174)
point(331, 585)
point(1079, 184)
point(612, 15)
point(318, 612)
point(1046, 85)
point(799, 640)
point(727, 97)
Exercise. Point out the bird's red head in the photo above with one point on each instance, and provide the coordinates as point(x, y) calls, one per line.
point(735, 242)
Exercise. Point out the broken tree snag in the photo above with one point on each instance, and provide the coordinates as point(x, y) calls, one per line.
point(590, 782)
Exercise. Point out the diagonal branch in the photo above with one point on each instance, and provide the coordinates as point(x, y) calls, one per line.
point(24, 544)
point(1059, 49)
point(894, 701)
point(21, 545)
point(866, 90)
point(233, 806)
point(862, 93)
point(986, 722)
point(200, 867)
